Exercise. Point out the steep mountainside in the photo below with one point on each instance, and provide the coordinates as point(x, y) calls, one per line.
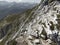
point(38, 26)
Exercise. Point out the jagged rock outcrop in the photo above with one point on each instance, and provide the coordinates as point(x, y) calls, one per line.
point(38, 26)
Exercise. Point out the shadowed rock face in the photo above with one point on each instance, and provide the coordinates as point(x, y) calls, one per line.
point(38, 26)
point(4, 30)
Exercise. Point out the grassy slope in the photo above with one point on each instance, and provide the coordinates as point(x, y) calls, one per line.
point(15, 21)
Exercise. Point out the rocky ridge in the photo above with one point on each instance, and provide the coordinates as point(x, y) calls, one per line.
point(43, 29)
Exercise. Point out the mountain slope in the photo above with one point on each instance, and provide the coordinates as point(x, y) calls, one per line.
point(37, 26)
point(44, 19)
point(12, 22)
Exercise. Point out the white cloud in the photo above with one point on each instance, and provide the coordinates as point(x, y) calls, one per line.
point(21, 0)
point(12, 0)
point(31, 0)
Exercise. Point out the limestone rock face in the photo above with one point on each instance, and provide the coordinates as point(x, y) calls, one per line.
point(44, 24)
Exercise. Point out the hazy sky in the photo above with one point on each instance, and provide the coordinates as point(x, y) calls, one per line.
point(21, 0)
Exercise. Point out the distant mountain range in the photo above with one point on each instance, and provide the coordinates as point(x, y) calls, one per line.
point(7, 8)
